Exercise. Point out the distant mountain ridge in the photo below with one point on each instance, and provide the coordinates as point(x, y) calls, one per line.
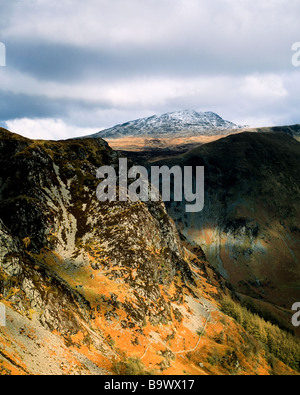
point(184, 123)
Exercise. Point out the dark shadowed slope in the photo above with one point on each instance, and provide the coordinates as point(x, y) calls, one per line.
point(249, 228)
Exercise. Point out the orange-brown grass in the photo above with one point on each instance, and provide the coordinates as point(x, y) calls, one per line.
point(172, 348)
point(143, 143)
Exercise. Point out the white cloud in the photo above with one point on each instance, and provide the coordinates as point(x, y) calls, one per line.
point(269, 87)
point(48, 129)
point(150, 91)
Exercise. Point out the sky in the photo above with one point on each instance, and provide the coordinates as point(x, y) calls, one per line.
point(74, 68)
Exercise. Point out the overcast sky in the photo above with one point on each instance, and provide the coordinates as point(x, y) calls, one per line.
point(75, 67)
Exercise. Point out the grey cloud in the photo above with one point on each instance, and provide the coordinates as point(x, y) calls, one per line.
point(67, 63)
point(20, 105)
point(16, 106)
point(103, 42)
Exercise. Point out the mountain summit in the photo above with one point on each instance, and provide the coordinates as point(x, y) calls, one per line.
point(184, 123)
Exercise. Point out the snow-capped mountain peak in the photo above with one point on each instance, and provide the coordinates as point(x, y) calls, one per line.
point(183, 123)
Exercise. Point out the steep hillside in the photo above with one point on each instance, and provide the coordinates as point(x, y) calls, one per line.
point(249, 228)
point(104, 288)
point(293, 130)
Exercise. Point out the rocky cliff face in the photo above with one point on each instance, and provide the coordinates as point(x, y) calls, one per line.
point(50, 206)
point(96, 288)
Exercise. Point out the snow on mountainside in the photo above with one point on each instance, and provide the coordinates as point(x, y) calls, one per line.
point(185, 123)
